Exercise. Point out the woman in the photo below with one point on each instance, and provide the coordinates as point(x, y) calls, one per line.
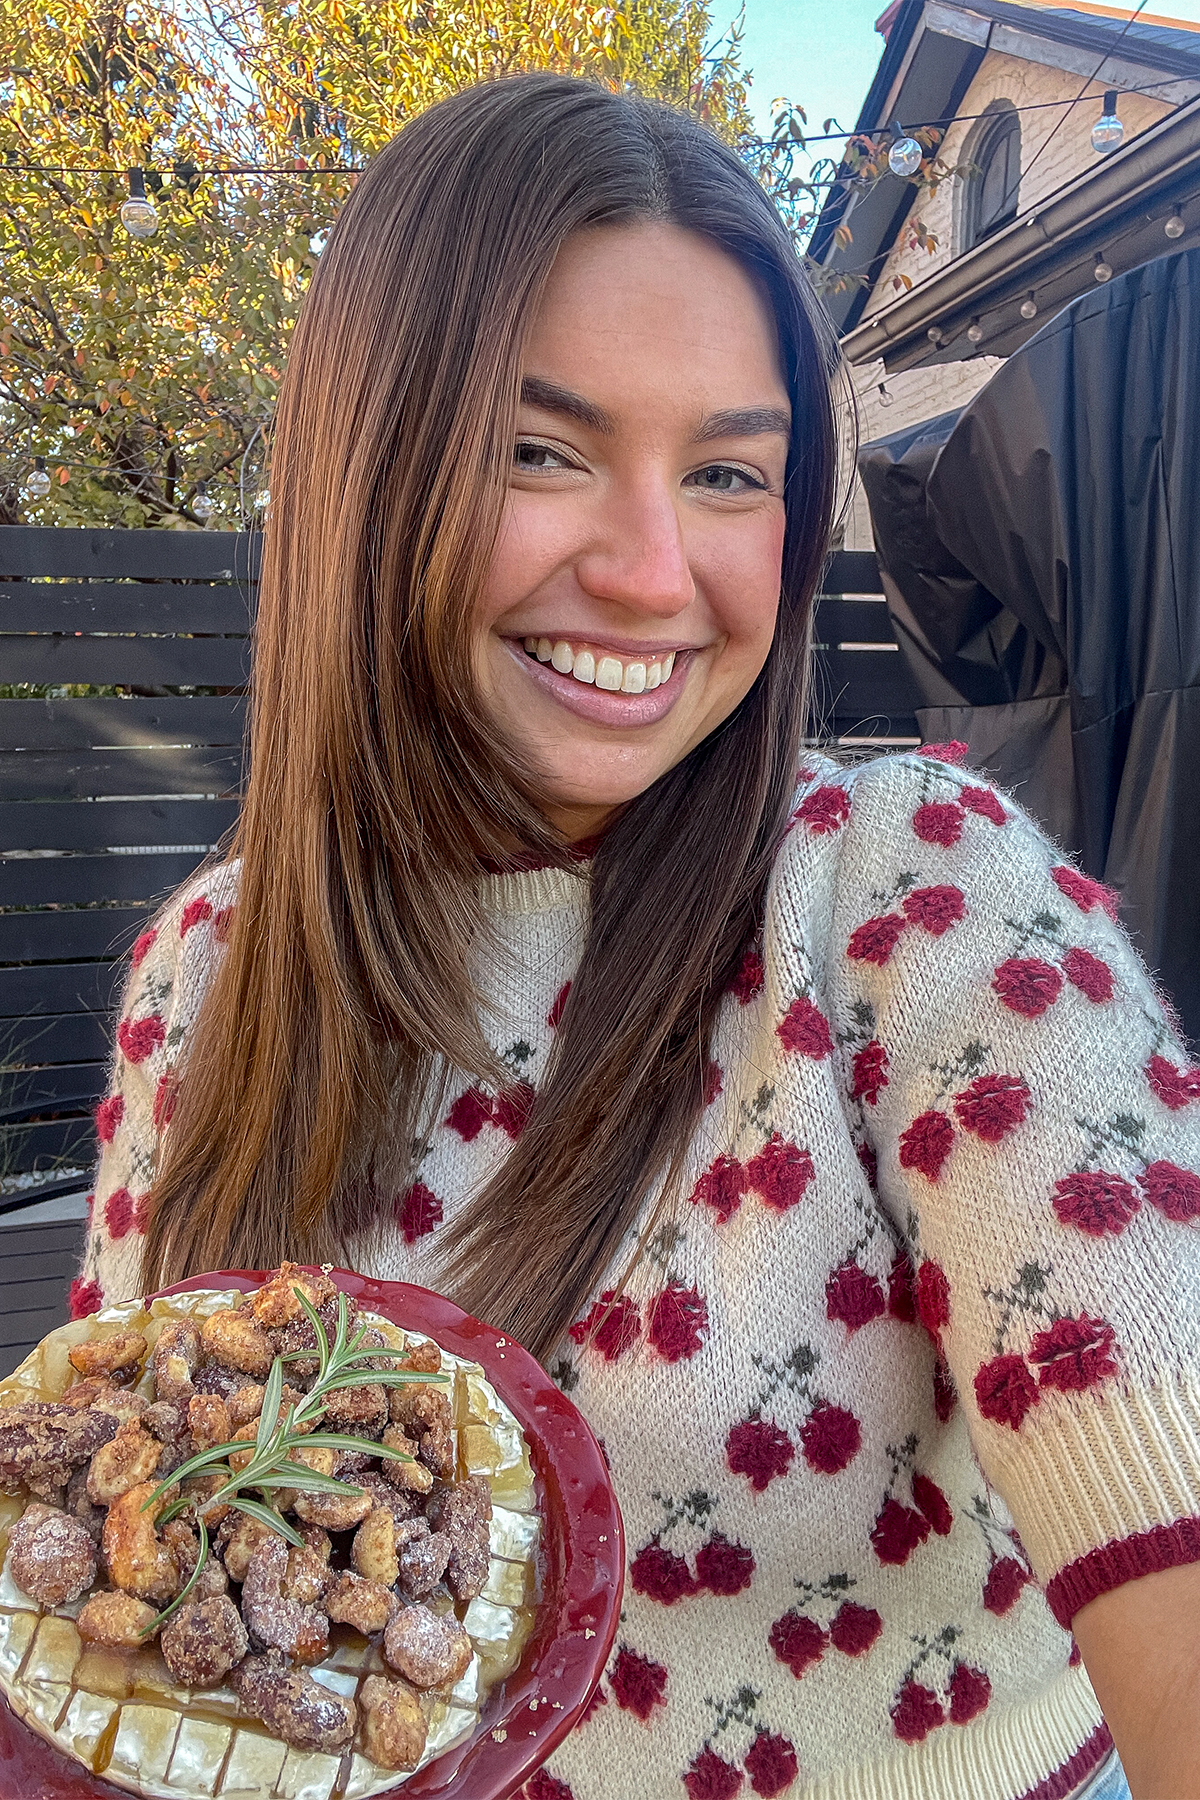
point(822, 1134)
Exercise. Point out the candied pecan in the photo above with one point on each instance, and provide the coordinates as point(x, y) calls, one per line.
point(402, 1503)
point(118, 1621)
point(292, 1705)
point(204, 1640)
point(175, 1358)
point(208, 1421)
point(307, 1576)
point(118, 1357)
point(423, 1563)
point(422, 1358)
point(127, 1460)
point(356, 1406)
point(79, 1506)
point(237, 1540)
point(234, 1338)
point(213, 1379)
point(273, 1622)
point(427, 1650)
point(198, 1490)
point(51, 1557)
point(275, 1303)
point(212, 1579)
point(412, 1475)
point(335, 1512)
point(167, 1420)
point(437, 1451)
point(95, 1390)
point(172, 1456)
point(394, 1727)
point(355, 1600)
point(353, 1463)
point(244, 1404)
point(418, 1407)
point(41, 1443)
point(138, 1562)
point(462, 1511)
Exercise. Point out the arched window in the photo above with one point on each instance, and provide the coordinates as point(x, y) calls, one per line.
point(988, 200)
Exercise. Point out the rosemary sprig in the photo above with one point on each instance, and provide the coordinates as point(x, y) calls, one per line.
point(271, 1466)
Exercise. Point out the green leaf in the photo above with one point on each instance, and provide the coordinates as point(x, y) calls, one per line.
point(272, 1395)
point(208, 1462)
point(315, 1321)
point(374, 1378)
point(266, 1515)
point(185, 1590)
point(336, 1440)
point(297, 1475)
point(343, 1325)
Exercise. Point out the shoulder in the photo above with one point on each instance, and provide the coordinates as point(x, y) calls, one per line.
point(185, 935)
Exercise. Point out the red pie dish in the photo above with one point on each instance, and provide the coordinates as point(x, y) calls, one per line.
point(580, 1569)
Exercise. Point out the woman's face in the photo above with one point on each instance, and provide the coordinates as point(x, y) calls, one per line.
point(633, 589)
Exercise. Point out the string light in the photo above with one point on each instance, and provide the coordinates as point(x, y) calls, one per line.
point(1108, 131)
point(885, 399)
point(1103, 268)
point(202, 506)
point(905, 156)
point(934, 334)
point(38, 485)
point(138, 215)
point(1174, 226)
point(975, 331)
point(1029, 306)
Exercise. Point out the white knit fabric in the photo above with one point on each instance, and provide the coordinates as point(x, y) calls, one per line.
point(826, 1595)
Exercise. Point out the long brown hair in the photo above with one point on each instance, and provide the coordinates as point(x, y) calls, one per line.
point(376, 790)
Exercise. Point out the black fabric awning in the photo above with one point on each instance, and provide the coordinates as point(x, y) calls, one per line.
point(1041, 555)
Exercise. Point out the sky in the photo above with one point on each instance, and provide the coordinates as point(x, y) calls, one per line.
point(823, 53)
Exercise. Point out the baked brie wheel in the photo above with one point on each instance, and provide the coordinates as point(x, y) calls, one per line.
point(260, 1543)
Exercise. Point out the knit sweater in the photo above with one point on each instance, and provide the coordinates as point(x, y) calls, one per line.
point(911, 1372)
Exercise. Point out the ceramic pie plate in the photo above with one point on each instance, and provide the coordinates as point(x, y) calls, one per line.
point(551, 1609)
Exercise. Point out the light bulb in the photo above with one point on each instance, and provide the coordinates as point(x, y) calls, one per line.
point(138, 215)
point(202, 506)
point(885, 399)
point(1108, 131)
point(904, 157)
point(1103, 268)
point(975, 332)
point(1174, 226)
point(1029, 306)
point(38, 485)
point(934, 334)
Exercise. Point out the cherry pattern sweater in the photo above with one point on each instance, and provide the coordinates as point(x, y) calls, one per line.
point(911, 1374)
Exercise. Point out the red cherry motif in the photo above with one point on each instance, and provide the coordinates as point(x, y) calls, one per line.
point(853, 1628)
point(119, 1213)
point(797, 1641)
point(84, 1297)
point(935, 909)
point(544, 1786)
point(165, 1096)
point(638, 1684)
point(1089, 974)
point(677, 1321)
point(511, 1108)
point(1002, 1589)
point(916, 1711)
point(1174, 1087)
point(1027, 985)
point(984, 802)
point(109, 1114)
point(722, 1567)
point(826, 809)
point(902, 1291)
point(933, 1503)
point(418, 1210)
point(1074, 1354)
point(748, 982)
point(953, 751)
point(470, 1113)
point(661, 1575)
point(992, 1106)
point(139, 1038)
point(714, 1082)
point(194, 913)
point(141, 948)
point(939, 822)
point(611, 1325)
point(944, 1394)
point(1085, 892)
point(771, 1764)
point(926, 1144)
point(969, 1690)
point(830, 1438)
point(1095, 1202)
point(897, 1532)
point(223, 924)
point(558, 1006)
point(854, 1296)
point(1174, 1191)
point(710, 1777)
point(805, 1029)
point(875, 940)
point(721, 1186)
point(759, 1450)
point(780, 1173)
point(869, 1073)
point(933, 1298)
point(1005, 1390)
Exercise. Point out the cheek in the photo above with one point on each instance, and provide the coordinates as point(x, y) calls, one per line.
point(743, 581)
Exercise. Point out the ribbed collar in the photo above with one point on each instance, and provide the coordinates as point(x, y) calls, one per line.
point(536, 890)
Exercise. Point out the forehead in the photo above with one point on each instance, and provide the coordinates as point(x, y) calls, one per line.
point(652, 312)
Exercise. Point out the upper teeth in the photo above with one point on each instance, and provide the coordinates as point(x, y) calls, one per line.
point(633, 675)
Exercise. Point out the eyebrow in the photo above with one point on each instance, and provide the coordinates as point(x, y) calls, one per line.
point(748, 421)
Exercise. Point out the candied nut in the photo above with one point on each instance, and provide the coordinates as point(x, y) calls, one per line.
point(212, 1579)
point(138, 1562)
point(354, 1600)
point(292, 1705)
point(175, 1358)
point(394, 1728)
point(307, 1576)
point(118, 1621)
point(320, 1460)
point(273, 1622)
point(356, 1407)
point(437, 1451)
point(423, 1563)
point(118, 1357)
point(208, 1421)
point(235, 1339)
point(373, 1551)
point(237, 1540)
point(41, 1443)
point(429, 1651)
point(422, 1358)
point(167, 1420)
point(275, 1303)
point(197, 1490)
point(204, 1640)
point(335, 1512)
point(95, 1390)
point(418, 1407)
point(214, 1379)
point(353, 1463)
point(246, 1434)
point(127, 1460)
point(412, 1475)
point(51, 1557)
point(78, 1505)
point(462, 1511)
point(244, 1404)
point(402, 1503)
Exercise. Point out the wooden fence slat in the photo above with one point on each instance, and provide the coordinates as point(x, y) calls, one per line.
point(92, 934)
point(57, 1237)
point(126, 661)
point(94, 825)
point(44, 606)
point(852, 572)
point(852, 621)
point(71, 1087)
point(34, 550)
point(81, 880)
point(72, 1038)
point(82, 774)
point(864, 681)
point(38, 989)
point(105, 722)
point(56, 1143)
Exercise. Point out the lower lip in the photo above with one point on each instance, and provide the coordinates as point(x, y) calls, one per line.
point(600, 705)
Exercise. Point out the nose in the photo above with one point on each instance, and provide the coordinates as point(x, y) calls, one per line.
point(638, 558)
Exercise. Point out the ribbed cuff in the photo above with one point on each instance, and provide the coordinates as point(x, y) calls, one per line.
point(1085, 1762)
point(1166, 1547)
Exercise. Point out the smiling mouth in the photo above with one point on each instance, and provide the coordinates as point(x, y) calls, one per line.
point(600, 668)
